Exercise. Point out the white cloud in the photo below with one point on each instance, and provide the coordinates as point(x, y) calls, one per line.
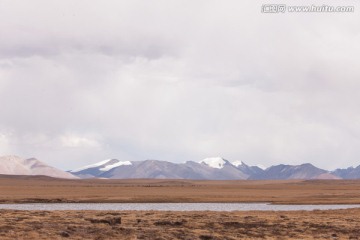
point(179, 81)
point(74, 141)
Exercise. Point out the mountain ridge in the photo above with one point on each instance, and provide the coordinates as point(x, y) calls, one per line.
point(213, 168)
point(14, 165)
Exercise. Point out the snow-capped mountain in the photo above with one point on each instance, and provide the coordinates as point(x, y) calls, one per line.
point(14, 165)
point(249, 170)
point(212, 168)
point(221, 168)
point(209, 168)
point(221, 163)
point(95, 170)
point(214, 162)
point(152, 169)
point(104, 166)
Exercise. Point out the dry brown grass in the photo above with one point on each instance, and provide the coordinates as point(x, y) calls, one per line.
point(333, 224)
point(43, 189)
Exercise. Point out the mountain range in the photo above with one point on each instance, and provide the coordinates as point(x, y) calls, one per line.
point(210, 168)
point(215, 168)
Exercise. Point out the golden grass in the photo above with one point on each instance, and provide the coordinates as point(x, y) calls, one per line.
point(44, 189)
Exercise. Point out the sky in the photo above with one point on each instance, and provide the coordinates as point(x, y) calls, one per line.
point(83, 81)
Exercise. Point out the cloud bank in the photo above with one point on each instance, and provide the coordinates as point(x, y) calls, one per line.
point(182, 80)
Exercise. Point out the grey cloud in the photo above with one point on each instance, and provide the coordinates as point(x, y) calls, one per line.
point(153, 49)
point(148, 79)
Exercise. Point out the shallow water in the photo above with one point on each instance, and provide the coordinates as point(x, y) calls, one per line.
point(171, 206)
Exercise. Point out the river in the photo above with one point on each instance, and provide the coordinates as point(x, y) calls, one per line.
point(171, 206)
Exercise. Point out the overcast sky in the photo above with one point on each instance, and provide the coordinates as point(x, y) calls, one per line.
point(83, 81)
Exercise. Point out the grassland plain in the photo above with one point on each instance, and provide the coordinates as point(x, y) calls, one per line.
point(318, 224)
point(44, 189)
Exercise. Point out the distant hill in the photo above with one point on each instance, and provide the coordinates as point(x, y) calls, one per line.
point(14, 165)
point(348, 173)
point(303, 171)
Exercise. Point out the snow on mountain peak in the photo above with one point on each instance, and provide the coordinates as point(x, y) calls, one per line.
point(111, 166)
point(237, 163)
point(214, 162)
point(105, 165)
point(92, 165)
